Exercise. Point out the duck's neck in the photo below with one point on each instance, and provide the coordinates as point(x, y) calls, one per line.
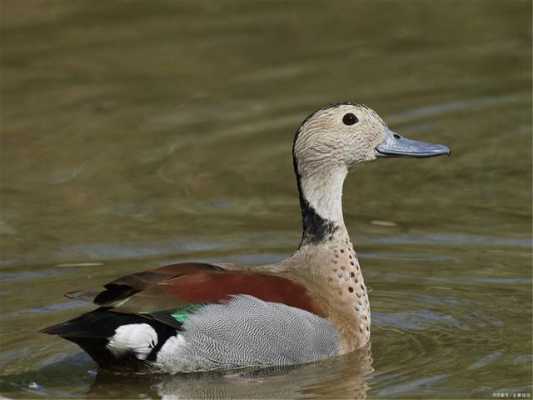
point(321, 204)
point(326, 260)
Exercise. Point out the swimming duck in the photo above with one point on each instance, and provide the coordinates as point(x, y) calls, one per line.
point(313, 305)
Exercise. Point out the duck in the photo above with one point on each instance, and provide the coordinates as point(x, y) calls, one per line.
point(197, 316)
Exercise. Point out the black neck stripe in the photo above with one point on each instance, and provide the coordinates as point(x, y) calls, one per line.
point(315, 228)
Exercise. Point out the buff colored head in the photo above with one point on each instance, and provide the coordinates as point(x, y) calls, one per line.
point(344, 135)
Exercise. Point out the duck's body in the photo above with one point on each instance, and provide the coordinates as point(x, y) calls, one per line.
point(313, 305)
point(197, 317)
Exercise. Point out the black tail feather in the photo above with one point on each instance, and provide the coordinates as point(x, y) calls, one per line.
point(92, 331)
point(100, 323)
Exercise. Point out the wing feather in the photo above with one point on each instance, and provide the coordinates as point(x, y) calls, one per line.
point(161, 293)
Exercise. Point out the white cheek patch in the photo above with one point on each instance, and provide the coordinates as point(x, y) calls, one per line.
point(137, 338)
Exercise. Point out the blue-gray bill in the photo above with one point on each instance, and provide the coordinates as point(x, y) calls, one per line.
point(395, 145)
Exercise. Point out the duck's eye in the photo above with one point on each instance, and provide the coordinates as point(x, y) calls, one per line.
point(349, 119)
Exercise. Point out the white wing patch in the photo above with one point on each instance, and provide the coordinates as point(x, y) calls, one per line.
point(137, 338)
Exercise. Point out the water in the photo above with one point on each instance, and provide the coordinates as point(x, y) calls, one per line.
point(136, 134)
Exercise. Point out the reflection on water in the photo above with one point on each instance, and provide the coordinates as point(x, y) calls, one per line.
point(135, 135)
point(312, 380)
point(343, 377)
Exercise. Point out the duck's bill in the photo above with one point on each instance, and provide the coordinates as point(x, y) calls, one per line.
point(395, 145)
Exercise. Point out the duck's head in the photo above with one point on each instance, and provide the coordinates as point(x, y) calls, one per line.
point(327, 145)
point(343, 135)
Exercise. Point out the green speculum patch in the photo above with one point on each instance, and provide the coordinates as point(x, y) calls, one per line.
point(183, 313)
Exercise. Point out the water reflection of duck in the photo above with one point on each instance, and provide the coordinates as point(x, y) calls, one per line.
point(313, 305)
point(338, 378)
